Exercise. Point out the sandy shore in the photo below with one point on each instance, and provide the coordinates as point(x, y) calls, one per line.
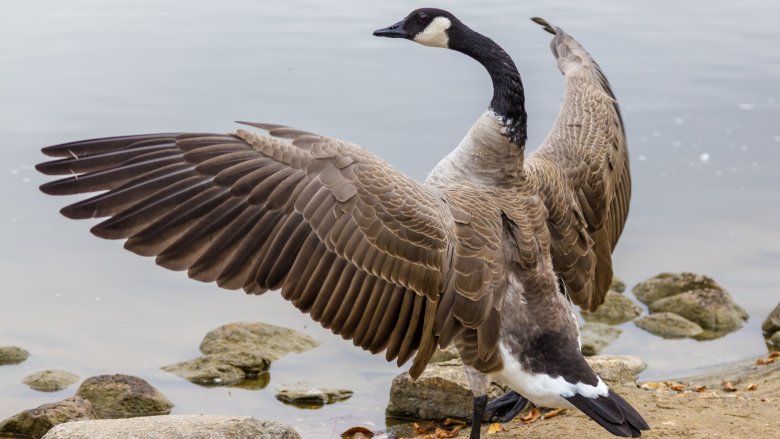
point(688, 412)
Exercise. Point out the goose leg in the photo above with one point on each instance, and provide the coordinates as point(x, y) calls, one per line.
point(476, 418)
point(506, 407)
point(479, 383)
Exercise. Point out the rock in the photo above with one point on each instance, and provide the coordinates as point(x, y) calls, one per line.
point(50, 380)
point(36, 422)
point(12, 355)
point(671, 284)
point(240, 351)
point(175, 427)
point(273, 341)
point(617, 369)
point(668, 325)
point(615, 310)
point(221, 369)
point(617, 285)
point(596, 336)
point(712, 309)
point(772, 322)
point(441, 392)
point(123, 396)
point(773, 342)
point(306, 395)
point(446, 354)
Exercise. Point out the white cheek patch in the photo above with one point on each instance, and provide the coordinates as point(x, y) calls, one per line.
point(435, 34)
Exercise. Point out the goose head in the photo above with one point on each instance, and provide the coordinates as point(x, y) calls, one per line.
point(426, 26)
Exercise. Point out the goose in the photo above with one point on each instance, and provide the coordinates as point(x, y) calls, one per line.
point(490, 253)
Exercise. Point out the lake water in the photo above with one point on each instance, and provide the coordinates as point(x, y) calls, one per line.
point(699, 84)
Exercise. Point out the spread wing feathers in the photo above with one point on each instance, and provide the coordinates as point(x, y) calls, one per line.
point(582, 168)
point(361, 247)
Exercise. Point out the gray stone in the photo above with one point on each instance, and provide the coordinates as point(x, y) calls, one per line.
point(123, 396)
point(50, 380)
point(617, 369)
point(668, 325)
point(671, 284)
point(773, 342)
point(712, 309)
point(223, 369)
point(273, 341)
point(36, 422)
point(615, 310)
point(617, 285)
point(772, 323)
point(237, 352)
point(175, 427)
point(12, 355)
point(441, 392)
point(446, 354)
point(303, 394)
point(596, 336)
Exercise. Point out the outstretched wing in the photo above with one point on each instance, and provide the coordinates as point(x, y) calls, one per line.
point(582, 168)
point(364, 249)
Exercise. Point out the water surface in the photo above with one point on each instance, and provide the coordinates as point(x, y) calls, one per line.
point(697, 81)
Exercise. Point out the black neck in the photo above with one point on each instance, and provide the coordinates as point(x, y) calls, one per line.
point(508, 97)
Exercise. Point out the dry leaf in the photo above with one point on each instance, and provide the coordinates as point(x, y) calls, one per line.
point(653, 385)
point(357, 432)
point(450, 421)
point(728, 386)
point(765, 361)
point(445, 434)
point(532, 416)
point(774, 354)
point(495, 428)
point(752, 386)
point(700, 389)
point(677, 387)
point(418, 430)
point(553, 413)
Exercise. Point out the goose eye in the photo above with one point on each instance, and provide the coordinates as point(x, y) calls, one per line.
point(423, 16)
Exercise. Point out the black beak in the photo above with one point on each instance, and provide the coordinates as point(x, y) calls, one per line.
point(394, 31)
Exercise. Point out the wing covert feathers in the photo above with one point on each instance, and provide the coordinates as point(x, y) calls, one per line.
point(582, 169)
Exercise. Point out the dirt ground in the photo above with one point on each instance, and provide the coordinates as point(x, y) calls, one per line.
point(680, 409)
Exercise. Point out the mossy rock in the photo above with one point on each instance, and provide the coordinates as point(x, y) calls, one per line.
point(772, 323)
point(669, 325)
point(615, 310)
point(671, 284)
point(712, 309)
point(617, 285)
point(12, 355)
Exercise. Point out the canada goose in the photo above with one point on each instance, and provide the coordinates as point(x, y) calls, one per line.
point(489, 252)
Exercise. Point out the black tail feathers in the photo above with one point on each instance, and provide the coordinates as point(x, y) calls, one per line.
point(613, 413)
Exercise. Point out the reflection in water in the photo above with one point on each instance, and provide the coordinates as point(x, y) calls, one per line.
point(699, 94)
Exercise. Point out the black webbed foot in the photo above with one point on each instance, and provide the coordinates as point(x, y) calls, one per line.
point(506, 407)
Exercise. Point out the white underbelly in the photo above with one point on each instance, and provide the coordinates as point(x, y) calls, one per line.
point(542, 389)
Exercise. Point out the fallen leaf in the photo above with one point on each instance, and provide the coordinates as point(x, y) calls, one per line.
point(445, 434)
point(553, 413)
point(728, 386)
point(495, 428)
point(677, 387)
point(357, 432)
point(652, 385)
point(752, 386)
point(774, 354)
point(532, 416)
point(450, 421)
point(765, 361)
point(700, 389)
point(418, 430)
